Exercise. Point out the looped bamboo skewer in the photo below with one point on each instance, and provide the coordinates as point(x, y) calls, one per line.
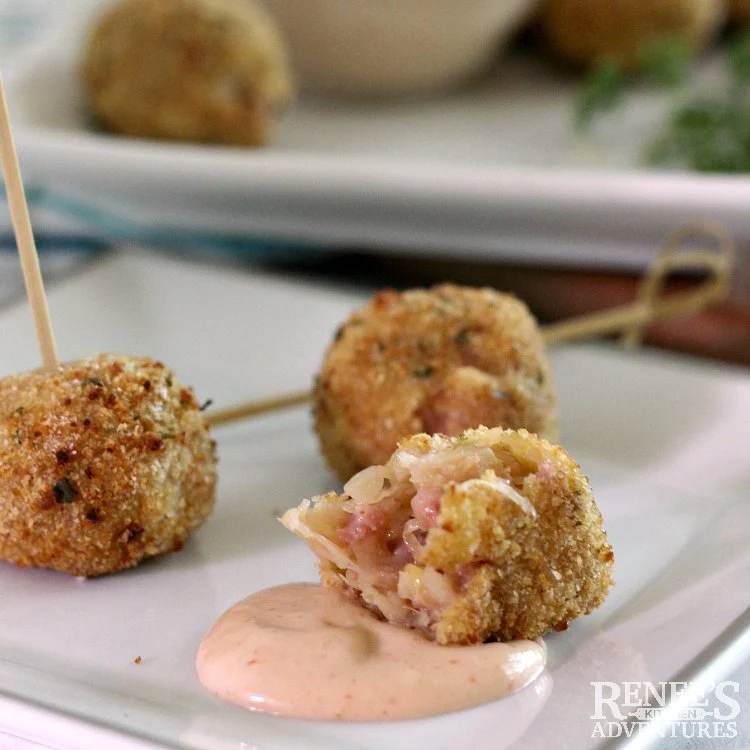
point(669, 259)
point(631, 319)
point(636, 316)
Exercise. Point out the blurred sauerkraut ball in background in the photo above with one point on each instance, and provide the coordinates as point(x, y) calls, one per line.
point(587, 32)
point(188, 70)
point(739, 11)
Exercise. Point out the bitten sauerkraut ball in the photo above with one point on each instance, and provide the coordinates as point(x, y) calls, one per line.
point(104, 462)
point(435, 361)
point(188, 70)
point(490, 534)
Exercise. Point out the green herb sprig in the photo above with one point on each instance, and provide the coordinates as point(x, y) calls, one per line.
point(711, 132)
point(665, 64)
point(704, 132)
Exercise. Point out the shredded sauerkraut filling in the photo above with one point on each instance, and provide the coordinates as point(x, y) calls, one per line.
point(376, 535)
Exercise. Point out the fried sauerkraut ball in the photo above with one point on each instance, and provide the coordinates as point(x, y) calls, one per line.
point(586, 32)
point(435, 361)
point(491, 534)
point(188, 70)
point(103, 462)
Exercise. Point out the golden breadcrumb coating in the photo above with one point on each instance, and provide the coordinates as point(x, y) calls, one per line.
point(103, 462)
point(188, 70)
point(586, 32)
point(493, 534)
point(436, 361)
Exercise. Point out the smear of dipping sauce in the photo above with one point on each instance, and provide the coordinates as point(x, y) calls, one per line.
point(310, 652)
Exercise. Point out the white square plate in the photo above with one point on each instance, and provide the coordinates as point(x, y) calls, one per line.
point(492, 170)
point(663, 439)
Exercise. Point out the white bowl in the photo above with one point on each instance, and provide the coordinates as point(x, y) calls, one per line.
point(391, 47)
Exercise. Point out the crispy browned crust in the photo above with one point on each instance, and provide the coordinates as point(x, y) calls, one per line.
point(438, 360)
point(189, 70)
point(586, 32)
point(524, 576)
point(103, 463)
point(533, 575)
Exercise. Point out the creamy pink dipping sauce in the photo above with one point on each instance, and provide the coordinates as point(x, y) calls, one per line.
point(309, 652)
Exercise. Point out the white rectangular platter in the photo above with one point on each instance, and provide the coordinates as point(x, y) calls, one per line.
point(493, 170)
point(663, 439)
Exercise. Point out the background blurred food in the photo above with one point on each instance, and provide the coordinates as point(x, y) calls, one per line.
point(739, 11)
point(197, 70)
point(221, 70)
point(587, 32)
point(392, 47)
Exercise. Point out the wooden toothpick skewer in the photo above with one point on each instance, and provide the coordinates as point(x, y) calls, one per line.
point(631, 318)
point(668, 259)
point(19, 214)
point(635, 317)
point(255, 408)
